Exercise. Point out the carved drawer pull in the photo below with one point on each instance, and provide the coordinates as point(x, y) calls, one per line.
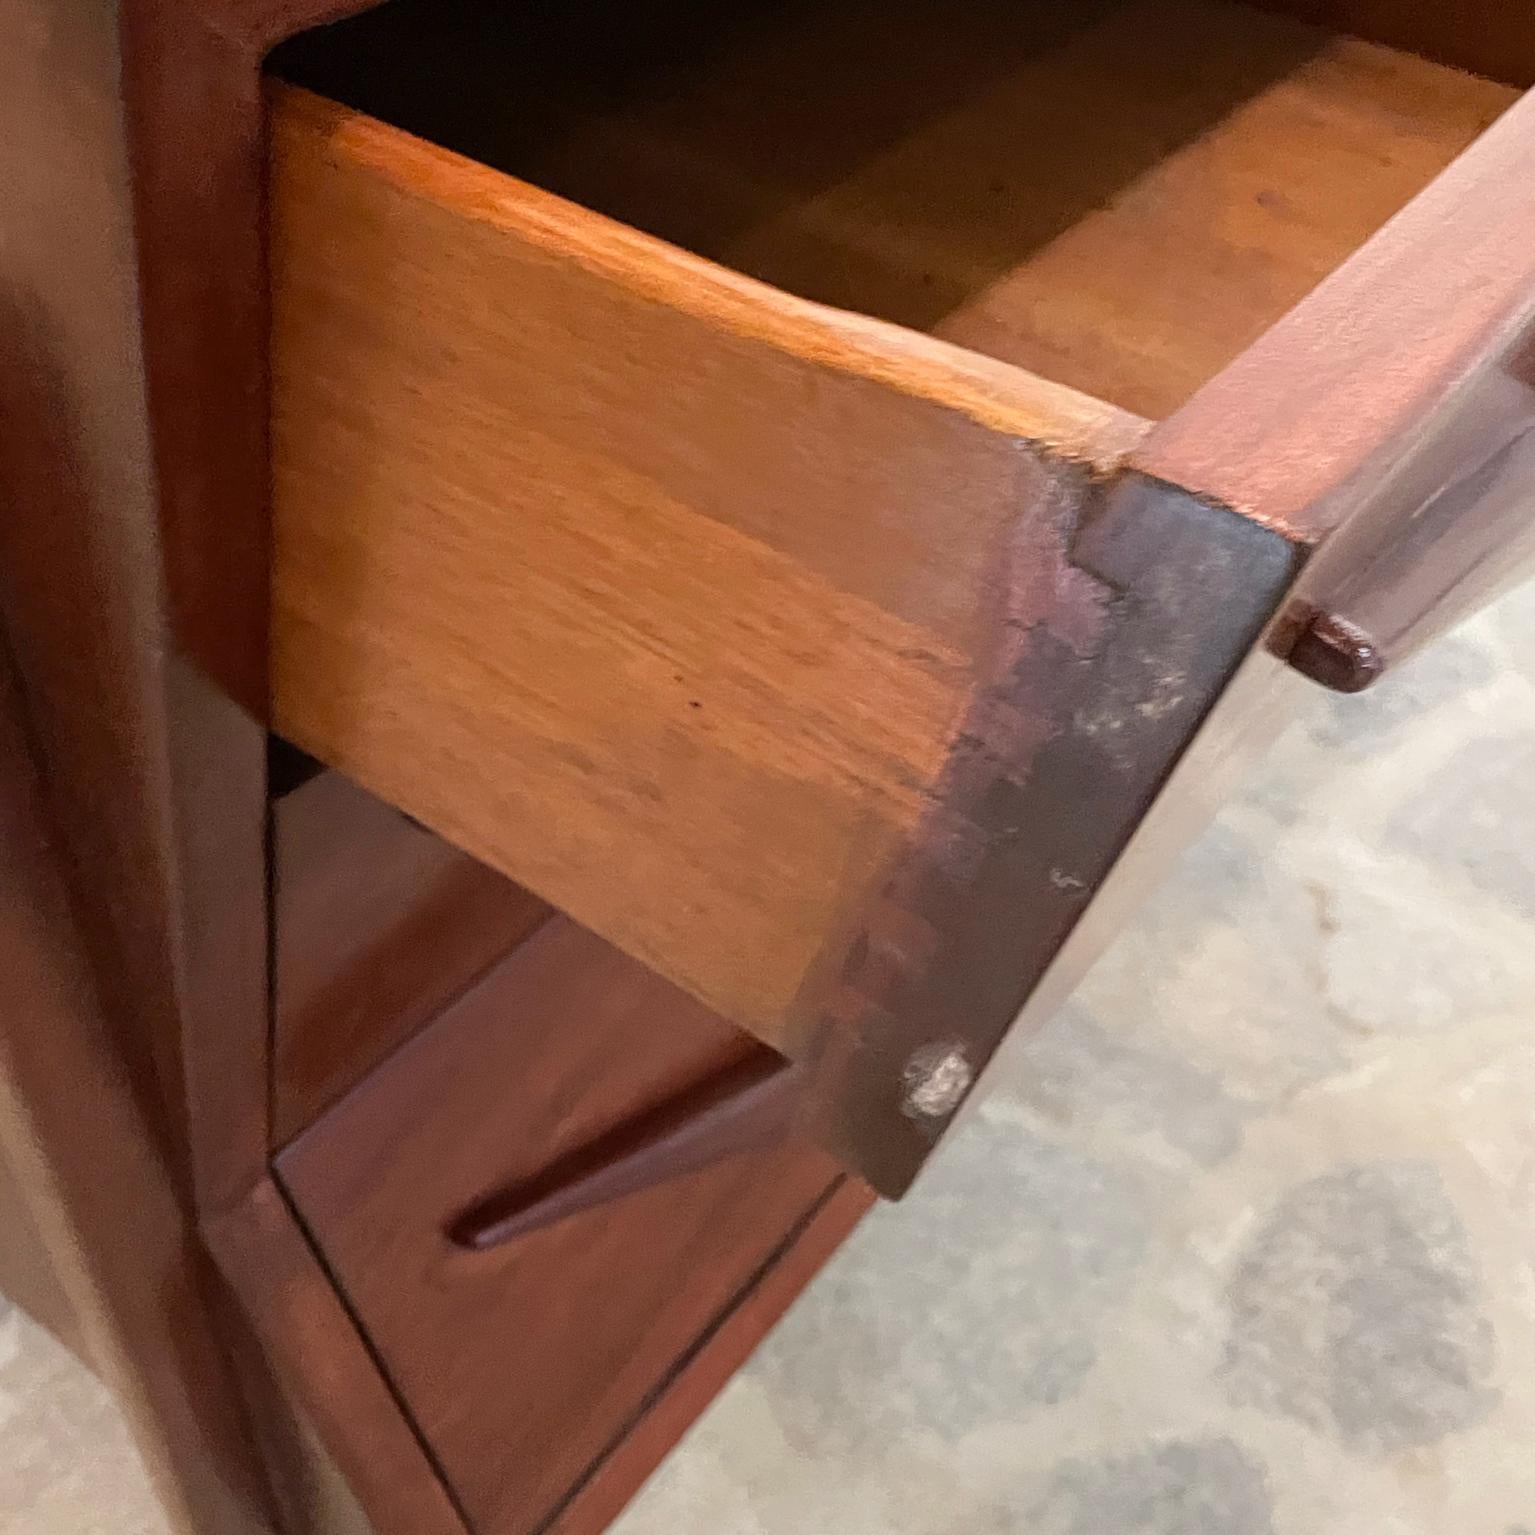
point(747, 1107)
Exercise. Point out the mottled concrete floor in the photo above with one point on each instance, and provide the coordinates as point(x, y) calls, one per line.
point(1243, 1245)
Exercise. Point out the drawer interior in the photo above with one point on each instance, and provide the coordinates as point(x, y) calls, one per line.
point(1119, 195)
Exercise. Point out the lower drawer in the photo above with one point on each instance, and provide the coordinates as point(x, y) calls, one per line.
point(527, 1367)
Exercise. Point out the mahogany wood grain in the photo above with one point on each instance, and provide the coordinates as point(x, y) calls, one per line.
point(340, 1385)
point(1119, 195)
point(143, 1300)
point(132, 591)
point(377, 924)
point(527, 1364)
point(702, 606)
point(1387, 425)
point(597, 1500)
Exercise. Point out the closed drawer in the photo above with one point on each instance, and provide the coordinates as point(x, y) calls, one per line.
point(526, 1366)
point(787, 485)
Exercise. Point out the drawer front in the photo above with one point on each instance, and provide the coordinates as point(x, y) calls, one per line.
point(523, 1366)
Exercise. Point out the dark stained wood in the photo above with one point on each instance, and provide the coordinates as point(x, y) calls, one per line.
point(1030, 824)
point(609, 1484)
point(524, 1365)
point(1260, 699)
point(1337, 654)
point(378, 924)
point(132, 590)
point(301, 1318)
point(145, 1303)
point(1387, 426)
point(1490, 37)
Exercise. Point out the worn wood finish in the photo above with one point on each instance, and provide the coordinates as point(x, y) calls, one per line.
point(1384, 429)
point(581, 608)
point(1490, 37)
point(1387, 426)
point(1400, 470)
point(378, 924)
point(982, 903)
point(1119, 195)
point(526, 1365)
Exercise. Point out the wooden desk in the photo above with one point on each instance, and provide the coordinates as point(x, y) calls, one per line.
point(769, 525)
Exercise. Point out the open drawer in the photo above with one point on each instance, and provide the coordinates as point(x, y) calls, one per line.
point(716, 482)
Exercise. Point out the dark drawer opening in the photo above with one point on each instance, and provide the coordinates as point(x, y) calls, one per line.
point(1119, 195)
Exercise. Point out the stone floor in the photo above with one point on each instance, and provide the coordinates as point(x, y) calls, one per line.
point(1243, 1245)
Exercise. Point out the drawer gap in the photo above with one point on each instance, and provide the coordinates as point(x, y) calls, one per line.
point(377, 924)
